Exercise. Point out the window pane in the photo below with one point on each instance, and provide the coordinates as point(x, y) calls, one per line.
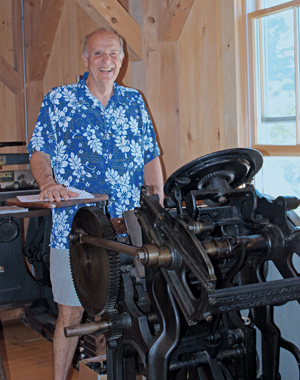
point(277, 134)
point(254, 5)
point(272, 3)
point(279, 176)
point(276, 79)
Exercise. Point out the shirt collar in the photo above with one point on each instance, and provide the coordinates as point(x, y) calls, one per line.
point(117, 97)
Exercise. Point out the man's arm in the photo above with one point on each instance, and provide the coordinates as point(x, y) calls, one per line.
point(40, 166)
point(153, 177)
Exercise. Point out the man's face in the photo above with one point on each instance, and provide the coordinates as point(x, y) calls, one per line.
point(104, 58)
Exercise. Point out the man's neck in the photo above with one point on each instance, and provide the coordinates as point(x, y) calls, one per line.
point(103, 94)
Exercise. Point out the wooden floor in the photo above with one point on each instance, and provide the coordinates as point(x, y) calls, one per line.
point(26, 355)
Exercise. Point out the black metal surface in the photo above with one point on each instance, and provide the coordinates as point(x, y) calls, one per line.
point(14, 158)
point(242, 164)
point(187, 320)
point(12, 143)
point(16, 283)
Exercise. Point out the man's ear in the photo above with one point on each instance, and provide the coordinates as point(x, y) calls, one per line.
point(85, 60)
point(122, 57)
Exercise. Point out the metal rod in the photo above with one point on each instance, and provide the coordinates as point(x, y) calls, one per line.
point(186, 363)
point(216, 248)
point(86, 328)
point(109, 244)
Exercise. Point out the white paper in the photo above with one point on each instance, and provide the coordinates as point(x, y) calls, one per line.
point(35, 198)
point(12, 209)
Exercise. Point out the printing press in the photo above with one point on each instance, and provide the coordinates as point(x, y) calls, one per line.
point(183, 292)
point(24, 256)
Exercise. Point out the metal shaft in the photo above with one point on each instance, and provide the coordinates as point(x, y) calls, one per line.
point(86, 328)
point(109, 244)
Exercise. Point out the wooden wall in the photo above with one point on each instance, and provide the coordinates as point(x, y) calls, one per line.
point(181, 56)
point(200, 82)
point(11, 78)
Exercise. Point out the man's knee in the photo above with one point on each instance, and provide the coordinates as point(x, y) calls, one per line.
point(70, 314)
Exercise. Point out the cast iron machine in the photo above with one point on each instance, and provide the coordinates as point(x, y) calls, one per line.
point(186, 297)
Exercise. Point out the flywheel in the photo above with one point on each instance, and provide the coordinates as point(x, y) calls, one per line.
point(95, 270)
point(235, 166)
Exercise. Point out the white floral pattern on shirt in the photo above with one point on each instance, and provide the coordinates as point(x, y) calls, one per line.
point(101, 150)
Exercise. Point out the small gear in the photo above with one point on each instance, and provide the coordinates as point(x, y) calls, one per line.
point(116, 324)
point(226, 174)
point(95, 270)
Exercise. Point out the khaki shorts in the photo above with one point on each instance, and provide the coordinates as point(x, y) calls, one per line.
point(61, 278)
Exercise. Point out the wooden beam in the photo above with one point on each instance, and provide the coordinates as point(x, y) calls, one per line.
point(17, 37)
point(172, 15)
point(115, 15)
point(44, 38)
point(20, 126)
point(34, 89)
point(8, 76)
point(124, 3)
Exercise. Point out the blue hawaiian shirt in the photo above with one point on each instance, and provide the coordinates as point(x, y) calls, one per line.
point(101, 150)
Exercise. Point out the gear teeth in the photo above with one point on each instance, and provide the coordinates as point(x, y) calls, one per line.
point(113, 261)
point(221, 173)
point(116, 324)
point(114, 286)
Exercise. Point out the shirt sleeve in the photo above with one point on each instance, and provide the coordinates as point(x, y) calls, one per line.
point(44, 138)
point(150, 144)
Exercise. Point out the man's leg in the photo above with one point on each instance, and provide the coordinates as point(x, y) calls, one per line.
point(64, 348)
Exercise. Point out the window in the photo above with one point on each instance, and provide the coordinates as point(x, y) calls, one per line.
point(275, 68)
point(273, 79)
point(273, 52)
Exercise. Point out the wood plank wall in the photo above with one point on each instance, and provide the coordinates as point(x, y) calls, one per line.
point(200, 82)
point(9, 98)
point(181, 75)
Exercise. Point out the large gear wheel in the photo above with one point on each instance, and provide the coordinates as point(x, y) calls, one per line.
point(95, 270)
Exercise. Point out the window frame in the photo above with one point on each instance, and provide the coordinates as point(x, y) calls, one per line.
point(270, 150)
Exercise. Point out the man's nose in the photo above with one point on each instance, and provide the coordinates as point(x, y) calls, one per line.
point(105, 57)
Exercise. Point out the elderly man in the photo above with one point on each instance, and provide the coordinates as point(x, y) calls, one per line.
point(97, 136)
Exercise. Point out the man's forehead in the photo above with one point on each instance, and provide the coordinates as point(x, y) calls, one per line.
point(104, 38)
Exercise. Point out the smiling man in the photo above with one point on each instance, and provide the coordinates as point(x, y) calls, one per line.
point(97, 136)
point(103, 56)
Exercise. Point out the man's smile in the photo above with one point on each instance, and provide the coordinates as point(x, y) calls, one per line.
point(108, 70)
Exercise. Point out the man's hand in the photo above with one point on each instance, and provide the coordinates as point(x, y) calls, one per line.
point(56, 192)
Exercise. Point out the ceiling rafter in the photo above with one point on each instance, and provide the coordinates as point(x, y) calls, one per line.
point(172, 15)
point(44, 38)
point(115, 15)
point(9, 76)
